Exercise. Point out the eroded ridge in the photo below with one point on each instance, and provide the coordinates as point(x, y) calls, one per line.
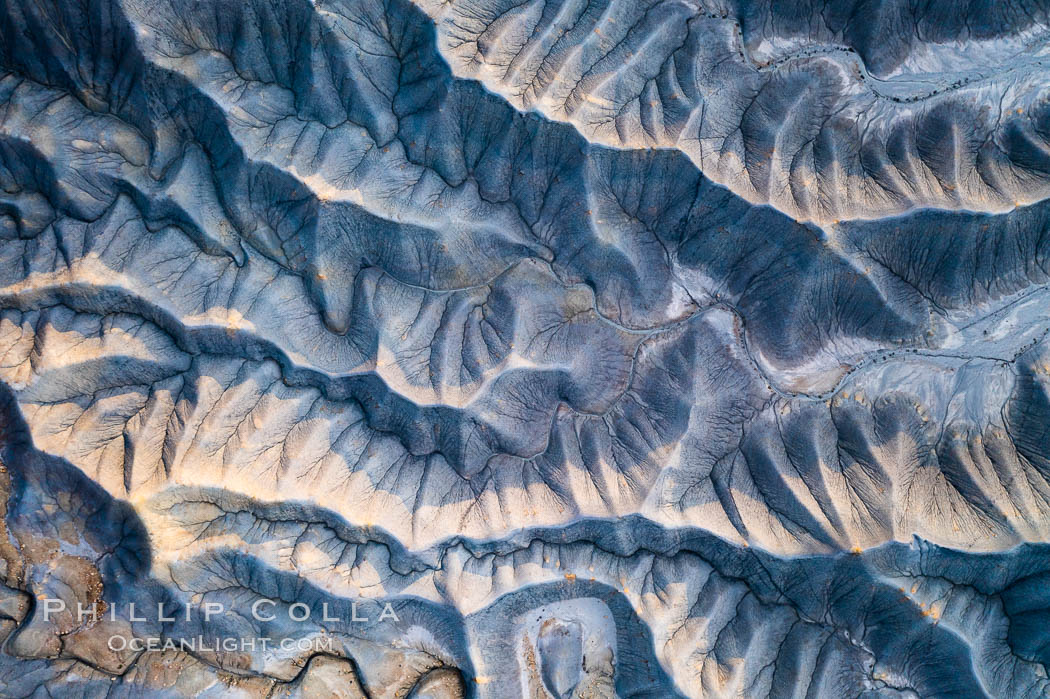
point(292, 311)
point(828, 111)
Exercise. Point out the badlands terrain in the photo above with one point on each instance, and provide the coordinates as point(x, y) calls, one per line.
point(530, 348)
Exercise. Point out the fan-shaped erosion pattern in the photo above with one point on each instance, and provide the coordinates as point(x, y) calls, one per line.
point(532, 349)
